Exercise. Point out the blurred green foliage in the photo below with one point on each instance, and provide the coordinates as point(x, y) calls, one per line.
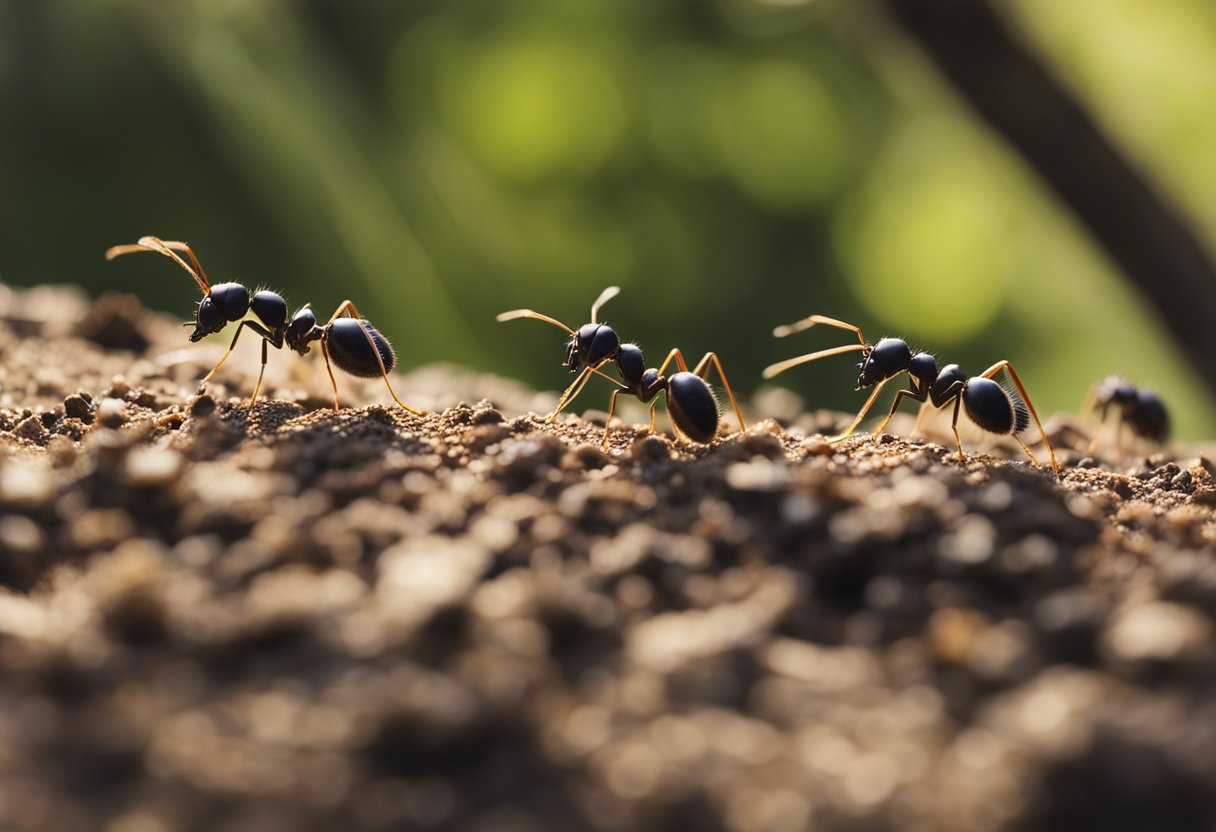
point(732, 164)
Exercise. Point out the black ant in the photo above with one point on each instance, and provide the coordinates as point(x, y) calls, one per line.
point(1140, 409)
point(987, 403)
point(691, 404)
point(351, 342)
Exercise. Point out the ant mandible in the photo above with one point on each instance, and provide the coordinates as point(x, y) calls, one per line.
point(987, 403)
point(691, 404)
point(1140, 409)
point(351, 342)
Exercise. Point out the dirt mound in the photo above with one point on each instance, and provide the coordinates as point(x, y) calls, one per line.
point(301, 619)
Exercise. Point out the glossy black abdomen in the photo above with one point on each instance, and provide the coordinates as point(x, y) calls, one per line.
point(350, 350)
point(990, 407)
point(692, 406)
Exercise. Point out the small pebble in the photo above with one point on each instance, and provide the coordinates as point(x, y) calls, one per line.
point(77, 406)
point(112, 413)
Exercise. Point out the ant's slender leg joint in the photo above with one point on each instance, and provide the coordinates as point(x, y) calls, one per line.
point(678, 357)
point(329, 369)
point(861, 414)
point(920, 416)
point(958, 400)
point(256, 327)
point(702, 369)
point(261, 372)
point(608, 421)
point(571, 392)
point(920, 397)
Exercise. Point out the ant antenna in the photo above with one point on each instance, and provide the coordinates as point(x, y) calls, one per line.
point(605, 296)
point(812, 320)
point(167, 249)
point(530, 313)
point(782, 366)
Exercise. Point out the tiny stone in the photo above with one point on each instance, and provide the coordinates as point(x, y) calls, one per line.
point(487, 417)
point(118, 387)
point(1204, 495)
point(649, 449)
point(1157, 631)
point(31, 428)
point(202, 406)
point(78, 407)
point(112, 412)
point(763, 445)
point(814, 447)
point(152, 467)
point(20, 534)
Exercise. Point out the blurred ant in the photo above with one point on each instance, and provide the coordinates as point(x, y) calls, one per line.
point(989, 405)
point(351, 342)
point(691, 404)
point(1140, 409)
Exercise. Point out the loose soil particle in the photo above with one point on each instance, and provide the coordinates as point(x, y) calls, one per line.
point(301, 619)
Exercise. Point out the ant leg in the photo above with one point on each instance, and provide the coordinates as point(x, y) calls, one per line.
point(958, 399)
point(920, 416)
point(860, 414)
point(679, 359)
point(348, 306)
point(1008, 368)
point(898, 398)
point(1098, 431)
point(608, 421)
point(260, 330)
point(701, 370)
point(333, 381)
point(811, 320)
point(654, 405)
point(1027, 450)
point(261, 372)
point(781, 366)
point(1091, 402)
point(571, 392)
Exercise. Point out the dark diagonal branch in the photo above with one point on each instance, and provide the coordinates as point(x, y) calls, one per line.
point(974, 48)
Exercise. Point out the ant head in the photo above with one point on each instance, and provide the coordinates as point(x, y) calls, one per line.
point(1118, 391)
point(208, 320)
point(591, 345)
point(302, 330)
point(883, 360)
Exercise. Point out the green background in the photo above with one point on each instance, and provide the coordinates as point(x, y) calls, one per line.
point(732, 164)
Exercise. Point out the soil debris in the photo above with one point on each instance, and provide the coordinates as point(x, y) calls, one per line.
point(292, 618)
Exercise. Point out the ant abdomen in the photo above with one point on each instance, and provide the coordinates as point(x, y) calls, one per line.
point(350, 350)
point(992, 407)
point(692, 406)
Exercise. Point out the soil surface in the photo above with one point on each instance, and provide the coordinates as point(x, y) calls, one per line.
point(301, 619)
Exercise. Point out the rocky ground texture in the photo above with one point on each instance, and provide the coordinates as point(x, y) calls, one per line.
point(301, 619)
